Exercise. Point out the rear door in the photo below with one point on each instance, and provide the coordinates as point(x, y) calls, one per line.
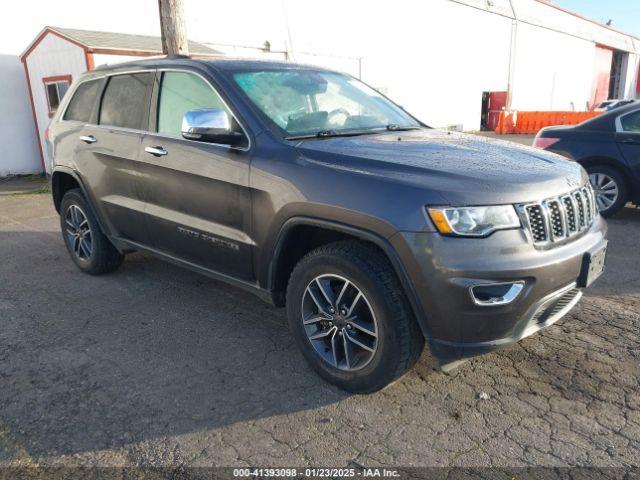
point(109, 158)
point(628, 138)
point(197, 194)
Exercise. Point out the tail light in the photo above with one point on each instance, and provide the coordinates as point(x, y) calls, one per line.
point(46, 133)
point(544, 142)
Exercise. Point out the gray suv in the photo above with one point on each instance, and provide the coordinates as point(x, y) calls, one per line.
point(317, 193)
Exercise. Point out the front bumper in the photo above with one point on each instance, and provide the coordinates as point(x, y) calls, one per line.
point(443, 269)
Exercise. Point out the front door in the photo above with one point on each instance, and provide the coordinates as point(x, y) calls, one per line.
point(197, 194)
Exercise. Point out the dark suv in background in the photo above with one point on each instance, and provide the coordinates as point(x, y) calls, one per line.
point(314, 191)
point(608, 147)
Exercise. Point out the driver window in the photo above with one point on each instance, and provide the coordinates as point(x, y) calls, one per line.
point(179, 93)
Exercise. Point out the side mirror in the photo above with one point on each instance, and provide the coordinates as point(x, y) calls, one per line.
point(210, 125)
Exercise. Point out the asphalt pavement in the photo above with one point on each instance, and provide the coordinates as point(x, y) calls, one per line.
point(154, 365)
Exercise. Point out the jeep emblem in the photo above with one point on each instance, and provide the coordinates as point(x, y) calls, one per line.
point(572, 182)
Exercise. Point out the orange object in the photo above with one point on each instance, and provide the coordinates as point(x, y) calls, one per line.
point(440, 220)
point(530, 123)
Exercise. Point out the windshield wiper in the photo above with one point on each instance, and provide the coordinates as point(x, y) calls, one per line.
point(352, 133)
point(392, 127)
point(331, 133)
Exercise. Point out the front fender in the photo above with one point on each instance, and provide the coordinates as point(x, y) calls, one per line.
point(379, 238)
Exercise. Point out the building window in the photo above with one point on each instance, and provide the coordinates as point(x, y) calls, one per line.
point(55, 88)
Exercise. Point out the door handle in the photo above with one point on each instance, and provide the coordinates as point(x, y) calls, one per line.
point(630, 141)
point(157, 151)
point(88, 139)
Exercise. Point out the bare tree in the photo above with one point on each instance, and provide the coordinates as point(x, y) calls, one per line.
point(172, 25)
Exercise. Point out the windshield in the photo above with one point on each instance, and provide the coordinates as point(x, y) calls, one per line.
point(307, 102)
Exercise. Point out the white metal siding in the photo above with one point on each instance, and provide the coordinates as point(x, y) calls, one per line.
point(103, 59)
point(552, 71)
point(436, 65)
point(53, 56)
point(20, 153)
point(437, 57)
point(631, 76)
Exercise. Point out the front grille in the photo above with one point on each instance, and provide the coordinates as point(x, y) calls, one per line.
point(551, 309)
point(559, 218)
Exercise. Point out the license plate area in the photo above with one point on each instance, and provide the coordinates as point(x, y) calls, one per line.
point(592, 266)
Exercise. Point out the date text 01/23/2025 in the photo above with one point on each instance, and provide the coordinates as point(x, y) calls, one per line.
point(316, 472)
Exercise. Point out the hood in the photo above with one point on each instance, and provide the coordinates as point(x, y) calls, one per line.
point(463, 169)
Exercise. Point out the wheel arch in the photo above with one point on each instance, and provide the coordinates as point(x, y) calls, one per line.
point(610, 162)
point(632, 187)
point(64, 179)
point(283, 260)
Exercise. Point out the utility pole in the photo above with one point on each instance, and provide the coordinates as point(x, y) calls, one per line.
point(173, 28)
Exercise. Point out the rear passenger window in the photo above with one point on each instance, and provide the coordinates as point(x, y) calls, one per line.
point(631, 122)
point(125, 102)
point(83, 100)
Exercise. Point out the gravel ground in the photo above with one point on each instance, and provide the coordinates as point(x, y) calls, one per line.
point(155, 365)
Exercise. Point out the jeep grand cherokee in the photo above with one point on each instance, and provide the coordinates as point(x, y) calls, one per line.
point(312, 190)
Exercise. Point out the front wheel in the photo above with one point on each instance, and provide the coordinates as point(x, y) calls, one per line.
point(610, 188)
point(350, 317)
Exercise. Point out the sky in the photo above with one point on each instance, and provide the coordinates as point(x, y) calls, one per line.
point(625, 14)
point(220, 21)
point(207, 20)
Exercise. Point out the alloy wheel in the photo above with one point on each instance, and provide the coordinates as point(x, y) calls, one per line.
point(339, 322)
point(78, 232)
point(605, 189)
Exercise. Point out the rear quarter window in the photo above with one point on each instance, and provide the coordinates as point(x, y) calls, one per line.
point(125, 102)
point(631, 122)
point(83, 100)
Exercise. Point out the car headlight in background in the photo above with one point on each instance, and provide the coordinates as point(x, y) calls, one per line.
point(474, 221)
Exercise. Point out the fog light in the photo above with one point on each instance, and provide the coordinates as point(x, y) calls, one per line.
point(493, 294)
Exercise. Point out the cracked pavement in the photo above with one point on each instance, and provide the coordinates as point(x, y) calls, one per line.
point(158, 366)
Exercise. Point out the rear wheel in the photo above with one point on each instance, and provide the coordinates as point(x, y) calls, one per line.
point(89, 248)
point(350, 317)
point(610, 188)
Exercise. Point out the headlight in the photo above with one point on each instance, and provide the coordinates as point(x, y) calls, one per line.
point(474, 221)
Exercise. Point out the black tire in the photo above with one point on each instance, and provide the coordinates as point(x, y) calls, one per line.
point(399, 339)
point(621, 184)
point(102, 256)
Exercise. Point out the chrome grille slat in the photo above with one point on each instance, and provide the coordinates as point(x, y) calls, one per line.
point(556, 220)
point(581, 213)
point(592, 198)
point(559, 218)
point(536, 222)
point(545, 220)
point(587, 201)
point(570, 213)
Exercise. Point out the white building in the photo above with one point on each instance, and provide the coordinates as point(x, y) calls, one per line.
point(20, 153)
point(438, 57)
point(443, 60)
